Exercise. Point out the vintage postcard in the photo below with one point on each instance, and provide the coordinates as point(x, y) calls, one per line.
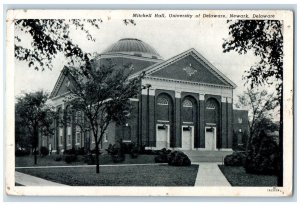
point(149, 102)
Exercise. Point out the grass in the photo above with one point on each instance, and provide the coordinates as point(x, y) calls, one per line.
point(149, 175)
point(237, 176)
point(28, 161)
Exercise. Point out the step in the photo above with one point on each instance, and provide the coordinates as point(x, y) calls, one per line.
point(207, 156)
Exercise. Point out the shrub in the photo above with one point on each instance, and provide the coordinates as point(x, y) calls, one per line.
point(70, 151)
point(80, 151)
point(134, 151)
point(235, 159)
point(22, 152)
point(178, 158)
point(162, 156)
point(44, 151)
point(57, 157)
point(68, 158)
point(262, 156)
point(90, 159)
point(119, 157)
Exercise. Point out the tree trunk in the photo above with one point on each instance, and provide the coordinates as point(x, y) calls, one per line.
point(280, 172)
point(97, 158)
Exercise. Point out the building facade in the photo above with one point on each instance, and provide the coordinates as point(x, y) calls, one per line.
point(184, 103)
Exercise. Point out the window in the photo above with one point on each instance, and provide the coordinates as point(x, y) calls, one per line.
point(60, 136)
point(210, 104)
point(187, 103)
point(240, 120)
point(78, 137)
point(69, 140)
point(105, 137)
point(162, 101)
point(187, 111)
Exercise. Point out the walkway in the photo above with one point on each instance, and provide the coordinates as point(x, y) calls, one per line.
point(209, 174)
point(29, 180)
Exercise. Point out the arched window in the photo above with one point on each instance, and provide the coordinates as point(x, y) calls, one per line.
point(212, 111)
point(164, 108)
point(211, 104)
point(162, 101)
point(188, 110)
point(187, 103)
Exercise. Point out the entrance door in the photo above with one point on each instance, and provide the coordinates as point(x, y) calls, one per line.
point(162, 136)
point(187, 137)
point(210, 138)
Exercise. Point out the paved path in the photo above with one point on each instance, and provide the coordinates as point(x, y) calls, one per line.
point(29, 180)
point(209, 174)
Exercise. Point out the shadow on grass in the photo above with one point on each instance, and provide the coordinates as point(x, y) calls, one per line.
point(237, 176)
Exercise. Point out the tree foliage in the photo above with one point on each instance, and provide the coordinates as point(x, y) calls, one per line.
point(101, 93)
point(263, 38)
point(51, 37)
point(35, 116)
point(260, 105)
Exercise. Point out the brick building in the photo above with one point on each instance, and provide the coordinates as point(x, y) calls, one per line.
point(185, 103)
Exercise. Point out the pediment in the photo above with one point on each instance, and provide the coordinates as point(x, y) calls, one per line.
point(190, 66)
point(61, 86)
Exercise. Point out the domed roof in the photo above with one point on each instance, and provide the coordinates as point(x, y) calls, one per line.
point(133, 47)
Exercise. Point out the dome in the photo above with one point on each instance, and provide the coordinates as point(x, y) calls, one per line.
point(133, 47)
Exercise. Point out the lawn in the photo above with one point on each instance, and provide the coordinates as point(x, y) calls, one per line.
point(237, 176)
point(143, 175)
point(28, 161)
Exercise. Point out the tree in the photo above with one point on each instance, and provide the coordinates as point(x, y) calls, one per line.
point(259, 104)
point(49, 37)
point(264, 38)
point(33, 113)
point(101, 93)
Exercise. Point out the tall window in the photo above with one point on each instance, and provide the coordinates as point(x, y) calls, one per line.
point(187, 111)
point(78, 137)
point(60, 135)
point(69, 140)
point(212, 111)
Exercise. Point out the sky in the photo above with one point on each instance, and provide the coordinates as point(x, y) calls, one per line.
point(168, 37)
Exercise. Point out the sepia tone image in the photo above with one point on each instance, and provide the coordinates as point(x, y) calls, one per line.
point(173, 100)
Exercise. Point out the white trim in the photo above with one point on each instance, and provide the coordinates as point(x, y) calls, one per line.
point(215, 138)
point(211, 124)
point(223, 99)
point(177, 86)
point(226, 149)
point(152, 92)
point(201, 97)
point(187, 82)
point(168, 136)
point(134, 99)
point(166, 121)
point(177, 94)
point(125, 141)
point(128, 56)
point(191, 140)
point(187, 122)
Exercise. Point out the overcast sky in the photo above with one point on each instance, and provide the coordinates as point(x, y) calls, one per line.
point(168, 37)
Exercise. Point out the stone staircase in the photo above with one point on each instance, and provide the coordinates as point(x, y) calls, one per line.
point(207, 156)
